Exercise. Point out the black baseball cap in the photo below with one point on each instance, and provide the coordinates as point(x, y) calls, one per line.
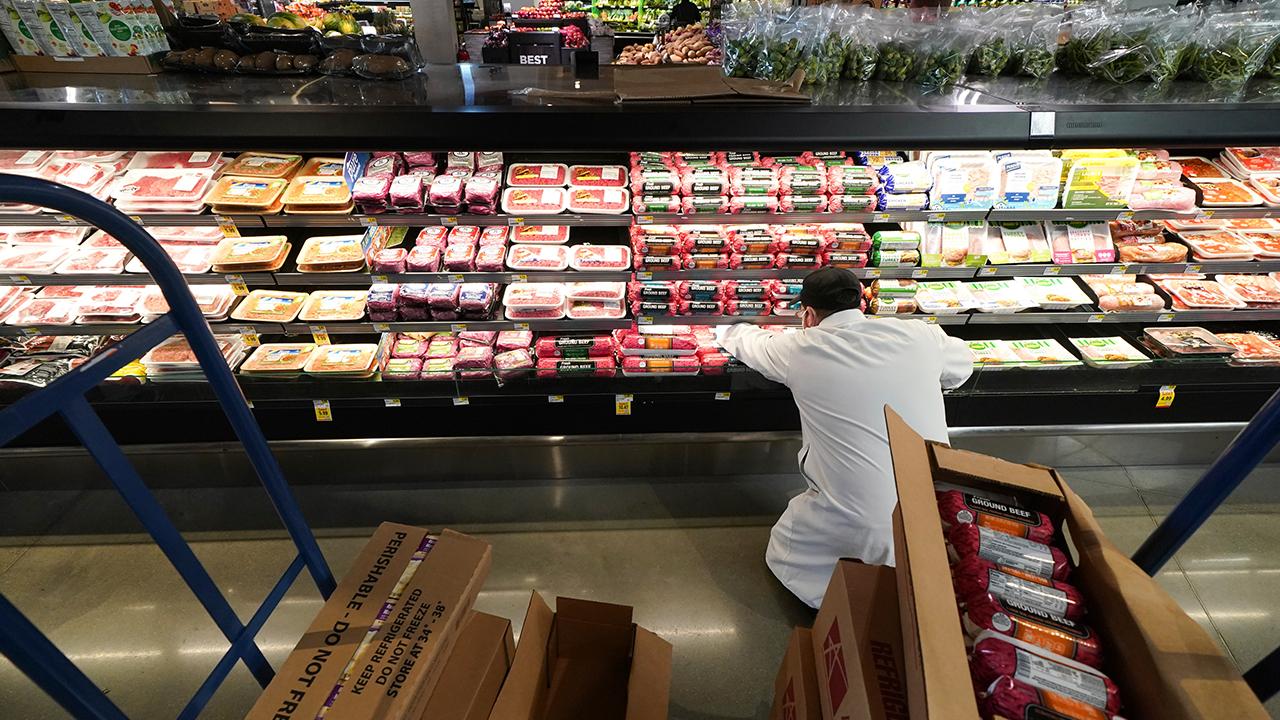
point(831, 289)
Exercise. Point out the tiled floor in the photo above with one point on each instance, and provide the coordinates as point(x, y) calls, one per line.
point(686, 552)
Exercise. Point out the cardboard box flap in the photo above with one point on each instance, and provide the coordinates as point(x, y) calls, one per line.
point(933, 642)
point(474, 671)
point(587, 629)
point(1172, 669)
point(649, 687)
point(525, 690)
point(994, 471)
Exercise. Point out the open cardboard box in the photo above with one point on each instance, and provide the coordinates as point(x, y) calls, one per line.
point(1165, 665)
point(585, 660)
point(473, 675)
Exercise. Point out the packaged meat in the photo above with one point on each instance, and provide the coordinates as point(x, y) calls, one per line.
point(598, 176)
point(600, 257)
point(747, 308)
point(349, 360)
point(534, 296)
point(270, 306)
point(491, 258)
point(1041, 353)
point(187, 235)
point(654, 244)
point(331, 253)
point(388, 260)
point(537, 175)
point(595, 310)
point(1254, 159)
point(985, 613)
point(23, 160)
point(402, 368)
point(705, 204)
point(609, 201)
point(477, 297)
point(1186, 342)
point(912, 201)
point(481, 190)
point(32, 259)
point(632, 343)
point(434, 236)
point(372, 192)
point(477, 337)
point(1016, 243)
point(1053, 293)
point(889, 305)
point(895, 240)
point(802, 203)
point(179, 160)
point(334, 306)
point(425, 258)
point(790, 260)
point(593, 367)
point(944, 298)
point(1112, 352)
point(700, 290)
point(438, 296)
point(1028, 181)
point(407, 193)
point(43, 311)
point(1256, 291)
point(904, 178)
point(597, 291)
point(86, 177)
point(852, 203)
point(661, 262)
point(753, 204)
point(573, 346)
point(86, 260)
point(408, 346)
point(653, 291)
point(655, 183)
point(974, 576)
point(442, 345)
point(512, 363)
point(1135, 231)
point(963, 182)
point(383, 297)
point(747, 289)
point(945, 244)
point(508, 340)
point(460, 257)
point(190, 259)
point(487, 161)
point(995, 655)
point(445, 192)
point(704, 181)
point(1081, 243)
point(315, 190)
point(1000, 296)
point(533, 201)
point(802, 181)
point(1268, 187)
point(895, 288)
point(318, 166)
point(1154, 195)
point(1252, 348)
point(474, 362)
point(538, 257)
point(851, 180)
point(1202, 294)
point(278, 358)
point(963, 508)
point(1009, 697)
point(461, 159)
point(1153, 253)
point(438, 368)
point(1227, 193)
point(495, 235)
point(644, 308)
point(1166, 171)
point(263, 165)
point(701, 307)
point(992, 353)
point(140, 186)
point(465, 234)
point(1027, 556)
point(540, 234)
point(753, 181)
point(641, 366)
point(1112, 302)
point(1100, 182)
point(641, 204)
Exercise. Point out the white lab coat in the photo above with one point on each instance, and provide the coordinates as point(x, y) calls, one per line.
point(842, 373)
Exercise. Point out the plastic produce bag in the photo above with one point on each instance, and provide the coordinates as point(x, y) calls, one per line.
point(947, 49)
point(744, 34)
point(861, 25)
point(1086, 41)
point(1172, 45)
point(784, 43)
point(900, 49)
point(1035, 29)
point(995, 43)
point(1233, 45)
point(1126, 50)
point(824, 51)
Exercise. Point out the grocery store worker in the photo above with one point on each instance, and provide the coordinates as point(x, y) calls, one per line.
point(684, 13)
point(843, 369)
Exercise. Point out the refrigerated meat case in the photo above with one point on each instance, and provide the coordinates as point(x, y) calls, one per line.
point(529, 114)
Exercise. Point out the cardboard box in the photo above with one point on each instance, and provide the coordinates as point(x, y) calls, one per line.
point(587, 659)
point(857, 645)
point(795, 691)
point(383, 633)
point(475, 670)
point(1165, 665)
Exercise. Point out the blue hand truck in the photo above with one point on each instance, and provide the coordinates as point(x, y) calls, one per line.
point(20, 641)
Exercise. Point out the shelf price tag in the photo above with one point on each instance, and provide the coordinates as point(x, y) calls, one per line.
point(1097, 318)
point(936, 217)
point(381, 279)
point(461, 401)
point(515, 221)
point(1204, 214)
point(449, 221)
point(238, 285)
point(319, 335)
point(1165, 399)
point(644, 219)
point(136, 218)
point(644, 276)
point(622, 404)
point(1053, 270)
point(381, 327)
point(644, 320)
point(249, 403)
point(228, 227)
point(19, 279)
point(323, 412)
point(987, 271)
point(872, 273)
point(723, 395)
point(520, 326)
point(457, 278)
point(367, 221)
point(458, 327)
point(930, 319)
point(920, 272)
point(1125, 215)
point(1120, 270)
point(30, 331)
point(391, 402)
point(1193, 268)
point(68, 219)
point(519, 278)
point(882, 217)
point(555, 398)
point(250, 336)
point(1165, 317)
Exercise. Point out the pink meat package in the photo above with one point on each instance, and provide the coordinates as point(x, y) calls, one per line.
point(446, 191)
point(688, 365)
point(701, 307)
point(508, 340)
point(652, 291)
point(967, 541)
point(475, 362)
point(512, 363)
point(996, 655)
point(491, 258)
point(649, 308)
point(985, 613)
point(434, 235)
point(594, 367)
point(460, 257)
point(649, 263)
point(570, 346)
point(482, 191)
point(630, 342)
point(423, 258)
point(1009, 697)
point(961, 508)
point(747, 308)
point(974, 576)
point(407, 193)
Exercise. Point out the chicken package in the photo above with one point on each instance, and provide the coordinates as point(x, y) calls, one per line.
point(537, 175)
point(704, 181)
point(1219, 245)
point(1100, 182)
point(334, 306)
point(1028, 181)
point(963, 182)
point(1157, 195)
point(538, 257)
point(904, 178)
point(1158, 252)
point(963, 508)
point(975, 576)
point(986, 613)
point(995, 656)
point(639, 366)
point(534, 201)
point(1256, 291)
point(907, 201)
point(692, 205)
point(1081, 243)
point(1202, 294)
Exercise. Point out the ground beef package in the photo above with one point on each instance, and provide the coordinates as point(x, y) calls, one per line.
point(995, 656)
point(972, 541)
point(1012, 699)
point(958, 508)
point(975, 576)
point(985, 613)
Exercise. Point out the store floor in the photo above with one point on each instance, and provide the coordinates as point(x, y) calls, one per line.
point(686, 552)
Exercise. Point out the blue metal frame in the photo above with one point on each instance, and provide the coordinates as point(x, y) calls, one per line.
point(20, 641)
point(1249, 448)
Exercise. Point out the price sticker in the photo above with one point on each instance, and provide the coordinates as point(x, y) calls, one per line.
point(555, 398)
point(1097, 318)
point(1165, 399)
point(228, 227)
point(323, 412)
point(1053, 270)
point(68, 219)
point(457, 278)
point(644, 320)
point(1125, 215)
point(920, 272)
point(367, 221)
point(383, 279)
point(644, 219)
point(1204, 214)
point(449, 221)
point(936, 217)
point(462, 401)
point(1165, 317)
point(644, 276)
point(930, 319)
point(458, 327)
point(136, 218)
point(249, 403)
point(1120, 270)
point(1193, 268)
point(520, 326)
point(391, 402)
point(882, 217)
point(250, 336)
point(515, 221)
point(19, 279)
point(622, 404)
point(987, 271)
point(872, 273)
point(723, 395)
point(319, 335)
point(519, 278)
point(381, 327)
point(238, 286)
point(30, 331)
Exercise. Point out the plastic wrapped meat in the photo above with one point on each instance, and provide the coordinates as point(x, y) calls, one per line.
point(597, 291)
point(974, 576)
point(851, 180)
point(905, 178)
point(407, 193)
point(474, 361)
point(655, 182)
point(423, 258)
point(802, 203)
point(1219, 245)
point(986, 614)
point(534, 296)
point(477, 297)
point(94, 260)
point(46, 237)
point(1202, 294)
point(852, 203)
point(754, 181)
point(655, 204)
point(699, 290)
point(1160, 252)
point(383, 298)
point(798, 244)
point(747, 289)
point(538, 257)
point(658, 262)
point(482, 191)
point(845, 259)
point(534, 201)
point(372, 192)
point(798, 181)
point(434, 236)
point(660, 366)
point(23, 160)
point(600, 257)
point(385, 163)
point(747, 307)
point(1258, 291)
point(598, 176)
point(1078, 243)
point(1155, 195)
point(477, 337)
point(630, 342)
point(704, 181)
point(654, 244)
point(788, 260)
point(594, 367)
point(439, 296)
point(571, 346)
point(753, 204)
point(645, 308)
point(33, 259)
point(653, 291)
point(512, 363)
point(996, 655)
point(86, 177)
point(712, 261)
point(540, 234)
point(446, 190)
point(40, 311)
point(460, 257)
point(388, 260)
point(537, 175)
point(489, 162)
point(407, 346)
point(701, 307)
point(607, 201)
point(495, 235)
point(959, 508)
point(1027, 556)
point(491, 258)
point(755, 261)
point(1009, 697)
point(508, 340)
point(402, 368)
point(704, 204)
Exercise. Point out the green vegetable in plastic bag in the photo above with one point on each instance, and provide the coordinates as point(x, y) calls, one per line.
point(1232, 47)
point(861, 26)
point(991, 57)
point(744, 30)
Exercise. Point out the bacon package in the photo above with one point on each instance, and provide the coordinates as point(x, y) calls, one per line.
point(966, 541)
point(996, 655)
point(594, 367)
point(962, 508)
point(985, 613)
point(974, 576)
point(632, 366)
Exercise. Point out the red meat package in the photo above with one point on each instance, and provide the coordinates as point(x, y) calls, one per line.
point(446, 191)
point(658, 262)
point(709, 243)
point(966, 541)
point(750, 308)
point(474, 361)
point(714, 362)
point(569, 346)
point(594, 367)
point(655, 244)
point(960, 508)
point(701, 307)
point(468, 234)
point(802, 203)
point(700, 290)
point(460, 257)
point(494, 235)
point(748, 289)
point(601, 176)
point(491, 258)
point(996, 655)
point(691, 205)
point(799, 244)
point(802, 181)
point(508, 340)
point(754, 181)
point(599, 200)
point(790, 260)
point(1060, 636)
point(973, 577)
point(434, 235)
point(537, 175)
point(704, 181)
point(661, 366)
point(512, 363)
point(630, 342)
point(851, 203)
point(762, 261)
point(423, 258)
point(712, 261)
point(1011, 699)
point(477, 337)
point(845, 259)
point(652, 291)
point(753, 204)
point(646, 308)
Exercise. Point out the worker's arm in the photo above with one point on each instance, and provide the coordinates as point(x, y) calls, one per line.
point(765, 352)
point(957, 361)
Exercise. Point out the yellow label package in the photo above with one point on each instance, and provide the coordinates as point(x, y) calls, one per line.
point(1100, 182)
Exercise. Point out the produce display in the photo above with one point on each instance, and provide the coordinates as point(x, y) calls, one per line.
point(62, 30)
point(694, 44)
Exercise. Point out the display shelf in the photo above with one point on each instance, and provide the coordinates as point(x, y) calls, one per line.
point(717, 319)
point(254, 279)
point(364, 278)
point(1208, 267)
point(1168, 316)
point(411, 220)
point(359, 328)
point(751, 218)
point(145, 219)
point(232, 327)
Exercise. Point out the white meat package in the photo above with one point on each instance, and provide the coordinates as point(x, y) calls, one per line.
point(599, 201)
point(1081, 243)
point(538, 257)
point(600, 257)
point(534, 201)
